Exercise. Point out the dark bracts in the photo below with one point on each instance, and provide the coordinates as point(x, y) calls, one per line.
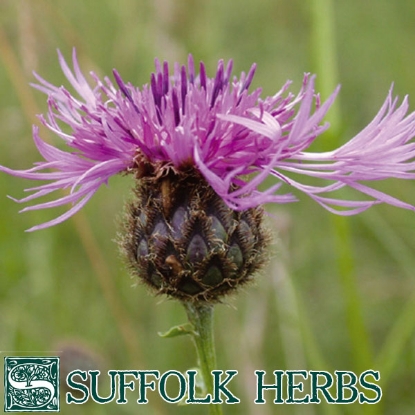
point(184, 241)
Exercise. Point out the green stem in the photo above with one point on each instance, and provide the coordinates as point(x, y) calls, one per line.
point(324, 56)
point(201, 317)
point(325, 60)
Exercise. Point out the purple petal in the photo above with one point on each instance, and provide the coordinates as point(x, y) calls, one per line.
point(235, 139)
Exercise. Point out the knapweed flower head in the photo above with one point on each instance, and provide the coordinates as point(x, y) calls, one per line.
point(199, 149)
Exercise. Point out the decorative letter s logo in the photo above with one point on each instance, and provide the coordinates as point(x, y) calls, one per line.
point(32, 384)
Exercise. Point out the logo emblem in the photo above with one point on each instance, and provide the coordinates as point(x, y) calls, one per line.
point(31, 384)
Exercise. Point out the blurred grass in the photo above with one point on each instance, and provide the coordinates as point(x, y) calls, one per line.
point(68, 282)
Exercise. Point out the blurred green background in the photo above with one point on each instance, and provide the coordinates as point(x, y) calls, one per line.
point(339, 293)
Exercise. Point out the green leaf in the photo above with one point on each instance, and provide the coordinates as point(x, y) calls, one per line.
point(180, 330)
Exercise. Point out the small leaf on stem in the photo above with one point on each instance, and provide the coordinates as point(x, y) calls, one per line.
point(179, 330)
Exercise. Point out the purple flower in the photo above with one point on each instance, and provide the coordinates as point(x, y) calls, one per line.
point(232, 137)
